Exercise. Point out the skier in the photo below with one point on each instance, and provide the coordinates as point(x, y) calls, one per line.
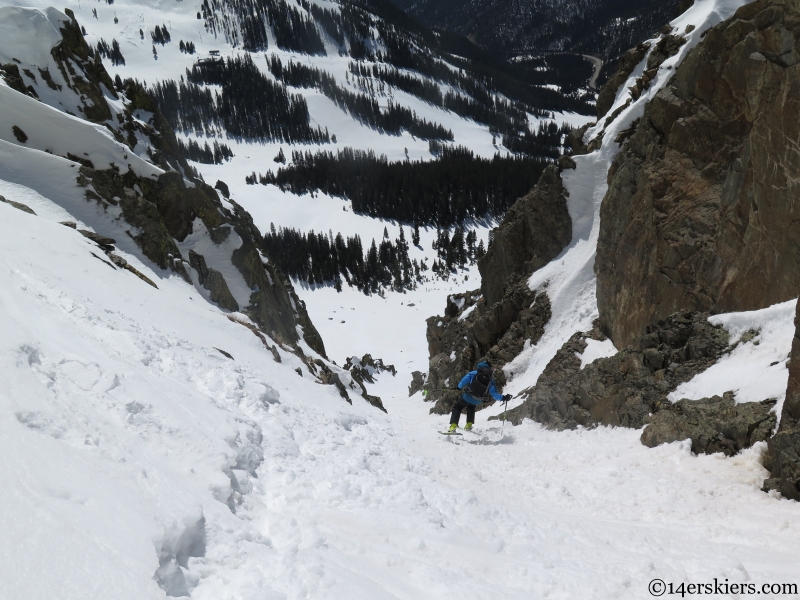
point(478, 386)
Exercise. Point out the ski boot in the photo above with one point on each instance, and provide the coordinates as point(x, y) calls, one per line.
point(453, 427)
point(468, 427)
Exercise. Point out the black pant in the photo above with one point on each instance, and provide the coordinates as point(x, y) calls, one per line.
point(459, 406)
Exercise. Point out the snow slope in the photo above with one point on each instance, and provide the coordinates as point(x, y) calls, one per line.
point(570, 278)
point(131, 447)
point(757, 368)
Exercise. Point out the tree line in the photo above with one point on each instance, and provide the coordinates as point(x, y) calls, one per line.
point(361, 106)
point(293, 30)
point(206, 154)
point(113, 53)
point(320, 259)
point(446, 191)
point(249, 105)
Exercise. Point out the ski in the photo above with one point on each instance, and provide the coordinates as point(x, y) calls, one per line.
point(449, 433)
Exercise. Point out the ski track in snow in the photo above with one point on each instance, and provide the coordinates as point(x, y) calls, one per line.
point(134, 427)
point(125, 433)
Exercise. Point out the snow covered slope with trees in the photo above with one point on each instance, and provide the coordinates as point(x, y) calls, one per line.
point(151, 445)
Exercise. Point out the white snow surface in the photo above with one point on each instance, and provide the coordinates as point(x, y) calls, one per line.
point(126, 437)
point(29, 34)
point(595, 350)
point(50, 130)
point(756, 369)
point(569, 279)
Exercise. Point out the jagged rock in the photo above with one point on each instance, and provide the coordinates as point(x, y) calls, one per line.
point(626, 65)
point(470, 332)
point(21, 136)
point(665, 48)
point(83, 74)
point(626, 388)
point(783, 450)
point(696, 216)
point(575, 139)
point(166, 211)
point(10, 74)
point(714, 424)
point(101, 240)
point(329, 377)
point(220, 234)
point(364, 368)
point(18, 205)
point(418, 379)
point(214, 282)
point(533, 232)
point(223, 188)
point(566, 162)
point(70, 224)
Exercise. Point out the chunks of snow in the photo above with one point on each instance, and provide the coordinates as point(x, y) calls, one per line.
point(756, 368)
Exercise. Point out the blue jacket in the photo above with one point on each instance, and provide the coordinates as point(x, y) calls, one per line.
point(472, 400)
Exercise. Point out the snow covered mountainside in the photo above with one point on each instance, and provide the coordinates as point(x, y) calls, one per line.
point(332, 78)
point(166, 430)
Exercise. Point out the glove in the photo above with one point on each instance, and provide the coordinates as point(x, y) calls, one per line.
point(507, 397)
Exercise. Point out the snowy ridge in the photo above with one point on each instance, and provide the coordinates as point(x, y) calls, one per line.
point(569, 279)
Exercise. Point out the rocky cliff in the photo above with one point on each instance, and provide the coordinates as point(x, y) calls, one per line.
point(497, 321)
point(630, 389)
point(699, 212)
point(698, 218)
point(533, 232)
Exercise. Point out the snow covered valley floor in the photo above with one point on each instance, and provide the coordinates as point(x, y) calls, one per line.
point(138, 460)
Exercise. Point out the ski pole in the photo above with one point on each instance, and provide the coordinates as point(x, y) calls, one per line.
point(503, 426)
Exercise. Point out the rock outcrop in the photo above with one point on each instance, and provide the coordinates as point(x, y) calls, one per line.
point(699, 213)
point(627, 388)
point(783, 456)
point(626, 65)
point(497, 321)
point(533, 232)
point(715, 424)
point(165, 210)
point(471, 331)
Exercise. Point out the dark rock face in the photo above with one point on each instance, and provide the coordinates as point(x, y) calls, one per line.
point(715, 424)
point(626, 65)
point(418, 380)
point(365, 368)
point(82, 73)
point(627, 388)
point(214, 282)
point(497, 333)
point(698, 213)
point(533, 232)
point(783, 457)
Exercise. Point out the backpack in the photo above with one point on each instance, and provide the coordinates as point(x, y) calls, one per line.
point(478, 388)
